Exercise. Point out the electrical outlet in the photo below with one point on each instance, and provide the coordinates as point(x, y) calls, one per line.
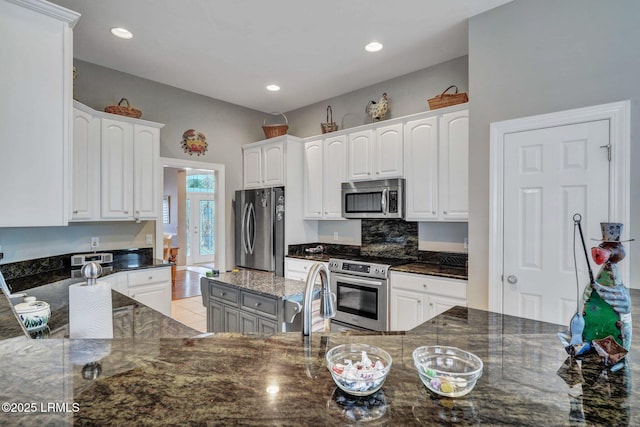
point(95, 242)
point(148, 239)
point(466, 243)
point(335, 235)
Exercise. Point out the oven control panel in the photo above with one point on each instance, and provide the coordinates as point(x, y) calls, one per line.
point(358, 268)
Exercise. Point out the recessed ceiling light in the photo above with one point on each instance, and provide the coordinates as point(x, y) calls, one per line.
point(273, 88)
point(122, 33)
point(373, 47)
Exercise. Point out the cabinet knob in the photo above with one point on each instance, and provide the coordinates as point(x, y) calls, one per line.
point(326, 213)
point(150, 277)
point(424, 285)
point(430, 304)
point(433, 212)
point(257, 304)
point(444, 212)
point(75, 212)
point(126, 212)
point(377, 173)
point(223, 293)
point(418, 301)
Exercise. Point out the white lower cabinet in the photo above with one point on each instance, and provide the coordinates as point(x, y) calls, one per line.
point(298, 269)
point(151, 287)
point(416, 298)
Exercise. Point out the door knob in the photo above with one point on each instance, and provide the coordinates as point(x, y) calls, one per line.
point(512, 279)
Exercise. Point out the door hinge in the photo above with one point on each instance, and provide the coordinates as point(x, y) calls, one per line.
point(608, 147)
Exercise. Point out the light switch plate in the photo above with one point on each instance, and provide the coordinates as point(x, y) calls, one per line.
point(148, 239)
point(95, 242)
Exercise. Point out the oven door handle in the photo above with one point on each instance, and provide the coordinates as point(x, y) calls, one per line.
point(357, 281)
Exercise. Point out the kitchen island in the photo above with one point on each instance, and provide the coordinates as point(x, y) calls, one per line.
point(281, 379)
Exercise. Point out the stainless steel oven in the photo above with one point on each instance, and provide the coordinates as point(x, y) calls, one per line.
point(381, 199)
point(361, 294)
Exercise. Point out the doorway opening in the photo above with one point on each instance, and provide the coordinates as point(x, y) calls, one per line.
point(193, 220)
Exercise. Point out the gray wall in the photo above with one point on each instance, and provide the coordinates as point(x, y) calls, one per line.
point(534, 57)
point(407, 94)
point(225, 125)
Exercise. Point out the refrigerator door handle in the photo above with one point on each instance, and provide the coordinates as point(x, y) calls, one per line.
point(252, 239)
point(244, 225)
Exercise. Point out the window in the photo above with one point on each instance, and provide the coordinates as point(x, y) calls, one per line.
point(201, 183)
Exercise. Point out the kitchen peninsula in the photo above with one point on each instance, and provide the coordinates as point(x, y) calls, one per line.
point(277, 380)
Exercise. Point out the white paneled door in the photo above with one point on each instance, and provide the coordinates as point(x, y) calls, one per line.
point(549, 175)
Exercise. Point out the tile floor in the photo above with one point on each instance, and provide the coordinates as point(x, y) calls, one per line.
point(191, 312)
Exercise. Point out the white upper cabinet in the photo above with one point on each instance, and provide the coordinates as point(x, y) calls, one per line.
point(335, 173)
point(35, 113)
point(454, 166)
point(85, 200)
point(325, 169)
point(147, 187)
point(376, 153)
point(273, 155)
point(421, 168)
point(252, 167)
point(436, 153)
point(313, 179)
point(116, 171)
point(361, 148)
point(264, 164)
point(388, 152)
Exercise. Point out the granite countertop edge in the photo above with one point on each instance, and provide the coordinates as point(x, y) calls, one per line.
point(414, 267)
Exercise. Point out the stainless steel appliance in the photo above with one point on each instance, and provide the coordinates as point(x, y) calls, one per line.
point(104, 259)
point(259, 216)
point(362, 294)
point(381, 199)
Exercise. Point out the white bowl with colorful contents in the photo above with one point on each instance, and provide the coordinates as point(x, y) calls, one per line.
point(358, 369)
point(447, 371)
point(33, 314)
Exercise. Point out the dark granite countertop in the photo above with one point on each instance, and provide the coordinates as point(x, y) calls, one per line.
point(229, 379)
point(130, 318)
point(414, 267)
point(432, 270)
point(317, 258)
point(24, 283)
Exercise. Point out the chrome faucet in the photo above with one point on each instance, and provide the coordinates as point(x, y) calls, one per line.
point(327, 309)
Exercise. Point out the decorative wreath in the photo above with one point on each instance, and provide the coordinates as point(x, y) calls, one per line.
point(194, 142)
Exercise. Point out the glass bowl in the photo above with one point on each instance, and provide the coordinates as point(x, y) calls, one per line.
point(358, 369)
point(447, 371)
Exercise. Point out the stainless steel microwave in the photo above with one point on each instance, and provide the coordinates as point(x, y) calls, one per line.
point(381, 199)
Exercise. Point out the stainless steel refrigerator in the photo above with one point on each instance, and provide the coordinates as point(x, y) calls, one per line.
point(259, 216)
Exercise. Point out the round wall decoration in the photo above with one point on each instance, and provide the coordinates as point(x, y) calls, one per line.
point(194, 142)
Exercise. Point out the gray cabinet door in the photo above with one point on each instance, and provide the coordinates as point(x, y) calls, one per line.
point(231, 319)
point(215, 320)
point(248, 323)
point(267, 327)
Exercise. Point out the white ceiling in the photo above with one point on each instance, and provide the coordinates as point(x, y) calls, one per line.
point(230, 50)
